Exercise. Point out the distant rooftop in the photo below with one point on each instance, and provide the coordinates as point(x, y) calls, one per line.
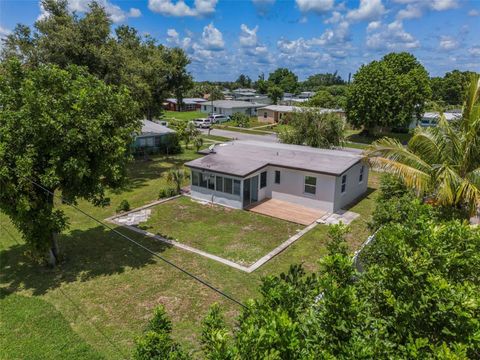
point(152, 128)
point(289, 108)
point(232, 104)
point(242, 158)
point(187, 101)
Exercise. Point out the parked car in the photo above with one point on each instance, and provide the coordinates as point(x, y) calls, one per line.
point(202, 123)
point(218, 118)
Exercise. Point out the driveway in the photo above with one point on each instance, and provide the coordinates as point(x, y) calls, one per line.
point(242, 136)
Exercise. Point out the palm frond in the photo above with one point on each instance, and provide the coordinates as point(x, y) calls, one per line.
point(411, 176)
point(426, 142)
point(447, 182)
point(393, 150)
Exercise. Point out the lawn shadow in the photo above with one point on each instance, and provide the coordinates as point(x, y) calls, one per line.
point(87, 254)
point(358, 200)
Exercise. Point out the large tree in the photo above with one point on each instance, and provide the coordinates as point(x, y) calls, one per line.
point(388, 93)
point(313, 128)
point(314, 82)
point(65, 130)
point(285, 79)
point(451, 89)
point(152, 72)
point(442, 162)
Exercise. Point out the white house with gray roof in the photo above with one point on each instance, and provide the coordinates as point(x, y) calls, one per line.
point(241, 173)
point(230, 107)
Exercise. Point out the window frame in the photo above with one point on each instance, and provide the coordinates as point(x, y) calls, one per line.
point(226, 183)
point(195, 178)
point(236, 187)
point(360, 177)
point(263, 179)
point(343, 187)
point(309, 186)
point(277, 177)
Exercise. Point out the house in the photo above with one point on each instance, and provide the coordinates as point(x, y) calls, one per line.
point(275, 113)
point(241, 173)
point(431, 119)
point(229, 107)
point(155, 138)
point(188, 104)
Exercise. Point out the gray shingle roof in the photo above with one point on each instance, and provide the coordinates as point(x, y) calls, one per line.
point(241, 158)
point(232, 104)
point(151, 128)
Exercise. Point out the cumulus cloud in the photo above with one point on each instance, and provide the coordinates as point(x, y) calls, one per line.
point(316, 6)
point(416, 8)
point(180, 8)
point(212, 38)
point(448, 43)
point(248, 37)
point(334, 18)
point(391, 37)
point(473, 12)
point(474, 51)
point(367, 10)
point(115, 12)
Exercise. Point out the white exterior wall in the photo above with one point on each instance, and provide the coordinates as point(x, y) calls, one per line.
point(231, 200)
point(207, 108)
point(354, 188)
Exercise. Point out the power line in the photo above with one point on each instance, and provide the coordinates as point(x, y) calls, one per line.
point(138, 244)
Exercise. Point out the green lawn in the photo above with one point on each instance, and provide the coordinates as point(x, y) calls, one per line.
point(102, 294)
point(184, 115)
point(237, 235)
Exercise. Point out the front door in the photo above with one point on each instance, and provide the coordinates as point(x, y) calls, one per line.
point(250, 190)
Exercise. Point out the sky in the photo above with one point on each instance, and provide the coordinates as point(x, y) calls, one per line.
point(225, 38)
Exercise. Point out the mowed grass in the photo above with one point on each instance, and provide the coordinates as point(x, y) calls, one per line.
point(184, 115)
point(237, 235)
point(31, 328)
point(106, 287)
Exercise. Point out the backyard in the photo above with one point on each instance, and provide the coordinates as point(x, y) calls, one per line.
point(237, 235)
point(99, 298)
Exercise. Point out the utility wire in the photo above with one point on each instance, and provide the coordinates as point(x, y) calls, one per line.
point(138, 244)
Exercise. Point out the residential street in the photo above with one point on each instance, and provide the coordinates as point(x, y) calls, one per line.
point(242, 136)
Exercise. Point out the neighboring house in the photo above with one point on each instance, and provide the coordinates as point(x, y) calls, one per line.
point(275, 113)
point(229, 107)
point(240, 173)
point(292, 101)
point(188, 104)
point(430, 119)
point(155, 138)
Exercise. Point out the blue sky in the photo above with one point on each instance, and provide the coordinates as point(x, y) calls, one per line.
point(225, 38)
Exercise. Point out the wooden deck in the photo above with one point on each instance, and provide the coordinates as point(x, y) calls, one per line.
point(287, 211)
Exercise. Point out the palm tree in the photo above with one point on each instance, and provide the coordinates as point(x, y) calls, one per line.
point(442, 162)
point(176, 177)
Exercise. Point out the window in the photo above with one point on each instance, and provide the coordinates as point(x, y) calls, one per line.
point(310, 185)
point(195, 178)
point(344, 183)
point(219, 184)
point(203, 180)
point(236, 187)
point(277, 176)
point(228, 186)
point(214, 109)
point(211, 182)
point(360, 178)
point(204, 107)
point(265, 115)
point(263, 179)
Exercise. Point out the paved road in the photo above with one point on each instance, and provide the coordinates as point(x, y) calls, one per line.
point(242, 136)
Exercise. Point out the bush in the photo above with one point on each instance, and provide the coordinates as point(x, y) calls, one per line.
point(240, 119)
point(124, 206)
point(167, 192)
point(391, 186)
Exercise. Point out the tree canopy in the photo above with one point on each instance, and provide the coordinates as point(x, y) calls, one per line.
point(313, 128)
point(284, 79)
point(388, 93)
point(440, 162)
point(451, 88)
point(152, 72)
point(65, 130)
point(314, 82)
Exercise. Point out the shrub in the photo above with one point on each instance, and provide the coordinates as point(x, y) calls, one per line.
point(167, 192)
point(124, 206)
point(240, 119)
